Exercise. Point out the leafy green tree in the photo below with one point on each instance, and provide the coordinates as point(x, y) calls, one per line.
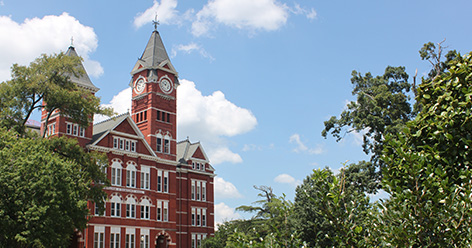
point(44, 188)
point(45, 183)
point(330, 210)
point(46, 83)
point(428, 173)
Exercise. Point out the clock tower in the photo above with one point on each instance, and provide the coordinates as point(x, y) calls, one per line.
point(154, 82)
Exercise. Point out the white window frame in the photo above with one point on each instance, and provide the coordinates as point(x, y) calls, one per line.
point(131, 208)
point(115, 206)
point(145, 177)
point(145, 209)
point(165, 183)
point(203, 191)
point(69, 128)
point(159, 211)
point(159, 180)
point(99, 239)
point(165, 213)
point(131, 175)
point(116, 173)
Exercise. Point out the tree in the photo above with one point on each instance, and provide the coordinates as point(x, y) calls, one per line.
point(428, 172)
point(44, 188)
point(45, 184)
point(46, 80)
point(330, 210)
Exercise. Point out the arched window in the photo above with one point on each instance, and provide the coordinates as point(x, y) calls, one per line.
point(159, 143)
point(115, 206)
point(166, 144)
point(130, 207)
point(131, 174)
point(145, 207)
point(116, 172)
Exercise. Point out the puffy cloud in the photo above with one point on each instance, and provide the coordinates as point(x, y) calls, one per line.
point(224, 189)
point(287, 179)
point(301, 147)
point(211, 119)
point(189, 48)
point(166, 13)
point(242, 14)
point(23, 42)
point(121, 103)
point(223, 213)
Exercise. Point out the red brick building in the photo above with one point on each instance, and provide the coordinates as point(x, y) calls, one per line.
point(161, 192)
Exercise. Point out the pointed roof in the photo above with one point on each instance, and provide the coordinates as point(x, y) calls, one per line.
point(84, 80)
point(186, 150)
point(154, 56)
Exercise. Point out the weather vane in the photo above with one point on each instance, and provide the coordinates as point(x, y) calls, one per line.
point(72, 41)
point(155, 22)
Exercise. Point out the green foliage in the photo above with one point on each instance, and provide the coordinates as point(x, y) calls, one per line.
point(382, 107)
point(46, 80)
point(44, 188)
point(329, 210)
point(428, 173)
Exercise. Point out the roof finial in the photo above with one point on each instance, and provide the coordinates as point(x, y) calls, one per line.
point(72, 41)
point(155, 22)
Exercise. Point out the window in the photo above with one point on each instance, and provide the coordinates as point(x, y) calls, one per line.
point(159, 144)
point(68, 128)
point(166, 144)
point(193, 165)
point(159, 180)
point(133, 146)
point(75, 131)
point(193, 216)
point(121, 144)
point(115, 240)
point(198, 191)
point(115, 142)
point(204, 217)
point(198, 166)
point(158, 115)
point(165, 216)
point(116, 173)
point(198, 216)
point(166, 182)
point(131, 208)
point(97, 210)
point(145, 171)
point(168, 117)
point(99, 240)
point(82, 132)
point(144, 241)
point(203, 191)
point(131, 175)
point(193, 190)
point(159, 210)
point(145, 206)
point(127, 145)
point(194, 241)
point(115, 206)
point(129, 241)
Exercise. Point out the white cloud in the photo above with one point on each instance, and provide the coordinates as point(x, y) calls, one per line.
point(242, 14)
point(208, 119)
point(224, 189)
point(121, 103)
point(165, 10)
point(287, 179)
point(189, 48)
point(211, 119)
point(224, 213)
point(301, 147)
point(23, 42)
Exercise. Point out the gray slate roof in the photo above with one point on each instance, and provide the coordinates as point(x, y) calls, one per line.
point(185, 150)
point(83, 80)
point(103, 127)
point(154, 54)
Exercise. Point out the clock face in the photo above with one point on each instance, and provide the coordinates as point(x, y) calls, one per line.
point(166, 85)
point(139, 86)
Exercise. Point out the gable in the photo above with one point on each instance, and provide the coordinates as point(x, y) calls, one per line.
point(199, 154)
point(125, 127)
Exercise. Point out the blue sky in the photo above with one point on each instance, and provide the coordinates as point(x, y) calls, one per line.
point(258, 77)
